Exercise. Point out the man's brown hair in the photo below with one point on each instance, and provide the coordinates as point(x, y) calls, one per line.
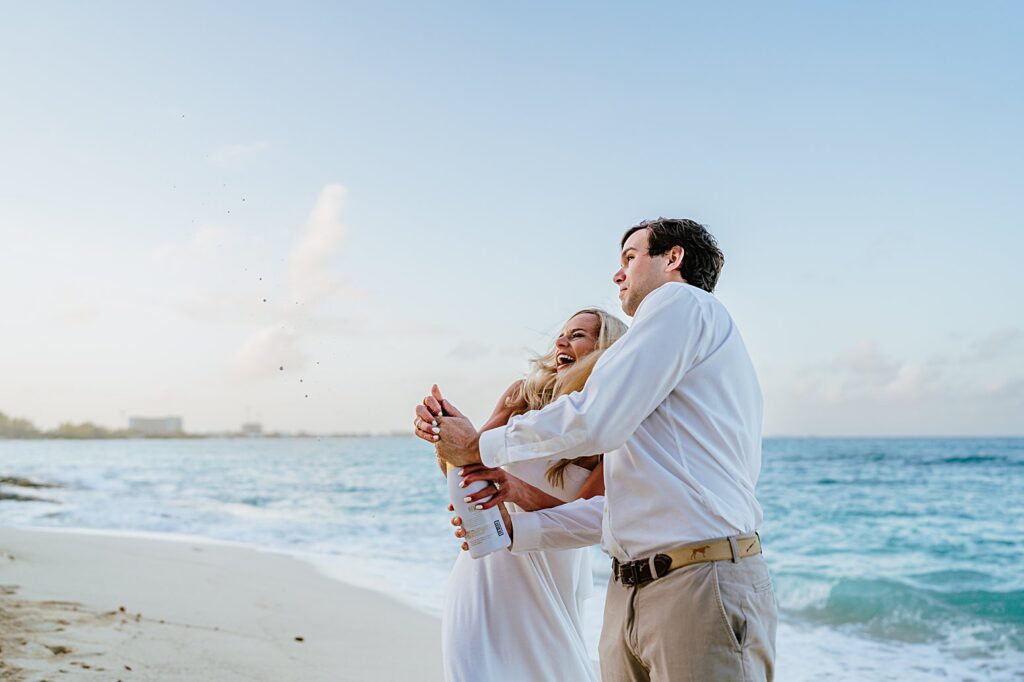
point(702, 259)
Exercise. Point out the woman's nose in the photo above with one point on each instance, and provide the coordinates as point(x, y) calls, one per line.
point(561, 342)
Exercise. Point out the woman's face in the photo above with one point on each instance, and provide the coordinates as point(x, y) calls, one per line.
point(577, 339)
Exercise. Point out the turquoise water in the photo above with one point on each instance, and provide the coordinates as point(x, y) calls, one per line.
point(893, 559)
point(903, 541)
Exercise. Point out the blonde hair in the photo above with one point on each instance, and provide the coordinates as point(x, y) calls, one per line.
point(543, 383)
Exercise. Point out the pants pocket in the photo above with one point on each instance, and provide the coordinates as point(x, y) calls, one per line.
point(730, 608)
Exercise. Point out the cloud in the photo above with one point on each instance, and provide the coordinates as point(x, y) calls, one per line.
point(310, 283)
point(234, 154)
point(868, 390)
point(267, 351)
point(855, 372)
point(310, 278)
point(469, 350)
point(77, 312)
point(209, 240)
point(866, 364)
point(997, 344)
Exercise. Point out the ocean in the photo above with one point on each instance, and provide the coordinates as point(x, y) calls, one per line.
point(893, 559)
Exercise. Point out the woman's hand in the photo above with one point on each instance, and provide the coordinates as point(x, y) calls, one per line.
point(427, 415)
point(503, 487)
point(460, 532)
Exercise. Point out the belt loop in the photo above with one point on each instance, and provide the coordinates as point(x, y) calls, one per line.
point(735, 549)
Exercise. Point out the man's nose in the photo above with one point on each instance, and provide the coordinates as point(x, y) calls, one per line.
point(620, 276)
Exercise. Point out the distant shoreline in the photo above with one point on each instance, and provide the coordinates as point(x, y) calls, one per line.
point(405, 434)
point(197, 436)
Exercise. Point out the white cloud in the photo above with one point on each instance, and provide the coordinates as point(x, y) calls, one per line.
point(267, 351)
point(866, 364)
point(210, 240)
point(865, 389)
point(77, 312)
point(311, 281)
point(233, 154)
point(997, 344)
point(310, 278)
point(469, 350)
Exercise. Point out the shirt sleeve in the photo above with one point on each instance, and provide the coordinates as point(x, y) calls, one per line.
point(631, 379)
point(574, 524)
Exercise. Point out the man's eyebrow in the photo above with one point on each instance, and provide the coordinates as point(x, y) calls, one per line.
point(628, 249)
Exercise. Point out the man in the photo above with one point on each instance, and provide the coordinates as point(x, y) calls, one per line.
point(676, 407)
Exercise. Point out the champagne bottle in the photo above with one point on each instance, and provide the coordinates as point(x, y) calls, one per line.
point(485, 529)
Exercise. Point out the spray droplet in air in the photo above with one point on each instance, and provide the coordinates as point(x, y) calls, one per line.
point(281, 368)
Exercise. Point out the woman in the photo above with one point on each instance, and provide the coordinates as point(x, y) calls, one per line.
point(517, 617)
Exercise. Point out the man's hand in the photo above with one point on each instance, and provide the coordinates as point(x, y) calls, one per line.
point(459, 442)
point(454, 436)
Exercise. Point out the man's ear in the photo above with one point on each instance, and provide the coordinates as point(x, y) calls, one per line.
point(675, 258)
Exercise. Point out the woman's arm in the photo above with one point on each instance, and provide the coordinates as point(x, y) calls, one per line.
point(509, 488)
point(594, 485)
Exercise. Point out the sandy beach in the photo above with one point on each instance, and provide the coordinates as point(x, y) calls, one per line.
point(110, 607)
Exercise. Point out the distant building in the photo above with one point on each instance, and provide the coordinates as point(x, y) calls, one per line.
point(252, 429)
point(156, 426)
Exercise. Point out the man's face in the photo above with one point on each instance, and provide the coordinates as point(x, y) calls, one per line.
point(642, 273)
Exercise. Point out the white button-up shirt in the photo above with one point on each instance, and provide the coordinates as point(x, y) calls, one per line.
point(676, 408)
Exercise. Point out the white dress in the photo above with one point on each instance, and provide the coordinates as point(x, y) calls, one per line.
point(518, 617)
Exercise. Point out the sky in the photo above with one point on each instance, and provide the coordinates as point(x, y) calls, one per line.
point(305, 214)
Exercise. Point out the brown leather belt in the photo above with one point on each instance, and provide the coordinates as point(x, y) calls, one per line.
point(643, 571)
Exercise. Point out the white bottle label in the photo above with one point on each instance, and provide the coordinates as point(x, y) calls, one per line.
point(485, 531)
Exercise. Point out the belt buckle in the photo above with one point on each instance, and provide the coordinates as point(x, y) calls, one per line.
point(625, 573)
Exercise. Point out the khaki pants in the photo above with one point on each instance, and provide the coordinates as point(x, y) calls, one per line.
point(705, 622)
